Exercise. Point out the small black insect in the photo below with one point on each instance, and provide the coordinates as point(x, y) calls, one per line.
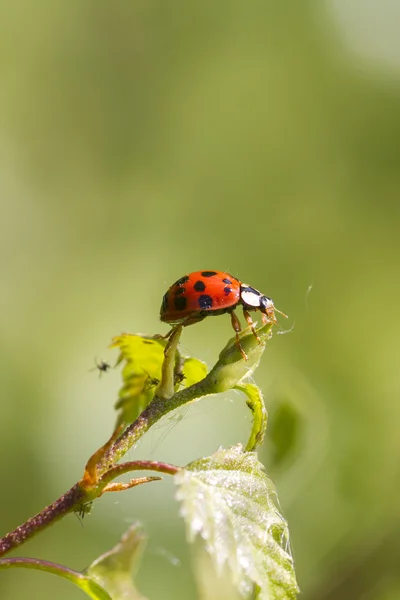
point(102, 367)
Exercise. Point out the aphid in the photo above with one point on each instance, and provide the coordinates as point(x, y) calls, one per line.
point(83, 509)
point(209, 293)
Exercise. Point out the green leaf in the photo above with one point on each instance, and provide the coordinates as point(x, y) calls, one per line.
point(113, 570)
point(85, 583)
point(255, 402)
point(229, 501)
point(194, 370)
point(230, 368)
point(108, 578)
point(142, 359)
point(210, 584)
point(141, 373)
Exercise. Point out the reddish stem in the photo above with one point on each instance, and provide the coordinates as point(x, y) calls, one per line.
point(44, 518)
point(70, 501)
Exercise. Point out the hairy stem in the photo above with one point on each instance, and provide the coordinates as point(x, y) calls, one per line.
point(73, 500)
point(46, 517)
point(77, 495)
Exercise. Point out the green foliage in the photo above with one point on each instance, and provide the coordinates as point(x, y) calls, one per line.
point(109, 577)
point(230, 370)
point(229, 501)
point(113, 570)
point(91, 588)
point(255, 402)
point(143, 358)
point(194, 370)
point(226, 499)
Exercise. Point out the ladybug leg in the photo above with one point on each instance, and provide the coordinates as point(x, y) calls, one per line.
point(235, 322)
point(237, 327)
point(251, 324)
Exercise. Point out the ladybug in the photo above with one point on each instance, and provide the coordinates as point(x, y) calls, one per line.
point(209, 293)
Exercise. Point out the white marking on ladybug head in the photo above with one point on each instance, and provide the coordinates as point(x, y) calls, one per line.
point(250, 296)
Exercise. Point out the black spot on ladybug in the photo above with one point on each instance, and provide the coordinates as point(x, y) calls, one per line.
point(182, 280)
point(180, 303)
point(205, 301)
point(227, 290)
point(149, 342)
point(208, 273)
point(179, 291)
point(227, 281)
point(199, 286)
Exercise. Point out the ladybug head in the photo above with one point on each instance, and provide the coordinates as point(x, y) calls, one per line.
point(253, 299)
point(267, 306)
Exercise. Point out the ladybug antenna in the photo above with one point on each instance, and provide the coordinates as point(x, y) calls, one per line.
point(280, 312)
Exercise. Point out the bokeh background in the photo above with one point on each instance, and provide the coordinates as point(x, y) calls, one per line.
point(143, 140)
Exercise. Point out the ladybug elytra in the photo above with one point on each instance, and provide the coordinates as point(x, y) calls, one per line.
point(209, 293)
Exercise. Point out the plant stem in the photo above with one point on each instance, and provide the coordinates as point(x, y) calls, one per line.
point(73, 500)
point(139, 465)
point(84, 582)
point(77, 495)
point(43, 519)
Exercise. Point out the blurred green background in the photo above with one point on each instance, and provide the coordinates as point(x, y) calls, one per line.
point(140, 141)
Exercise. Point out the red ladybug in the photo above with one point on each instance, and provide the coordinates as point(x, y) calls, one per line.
point(208, 293)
